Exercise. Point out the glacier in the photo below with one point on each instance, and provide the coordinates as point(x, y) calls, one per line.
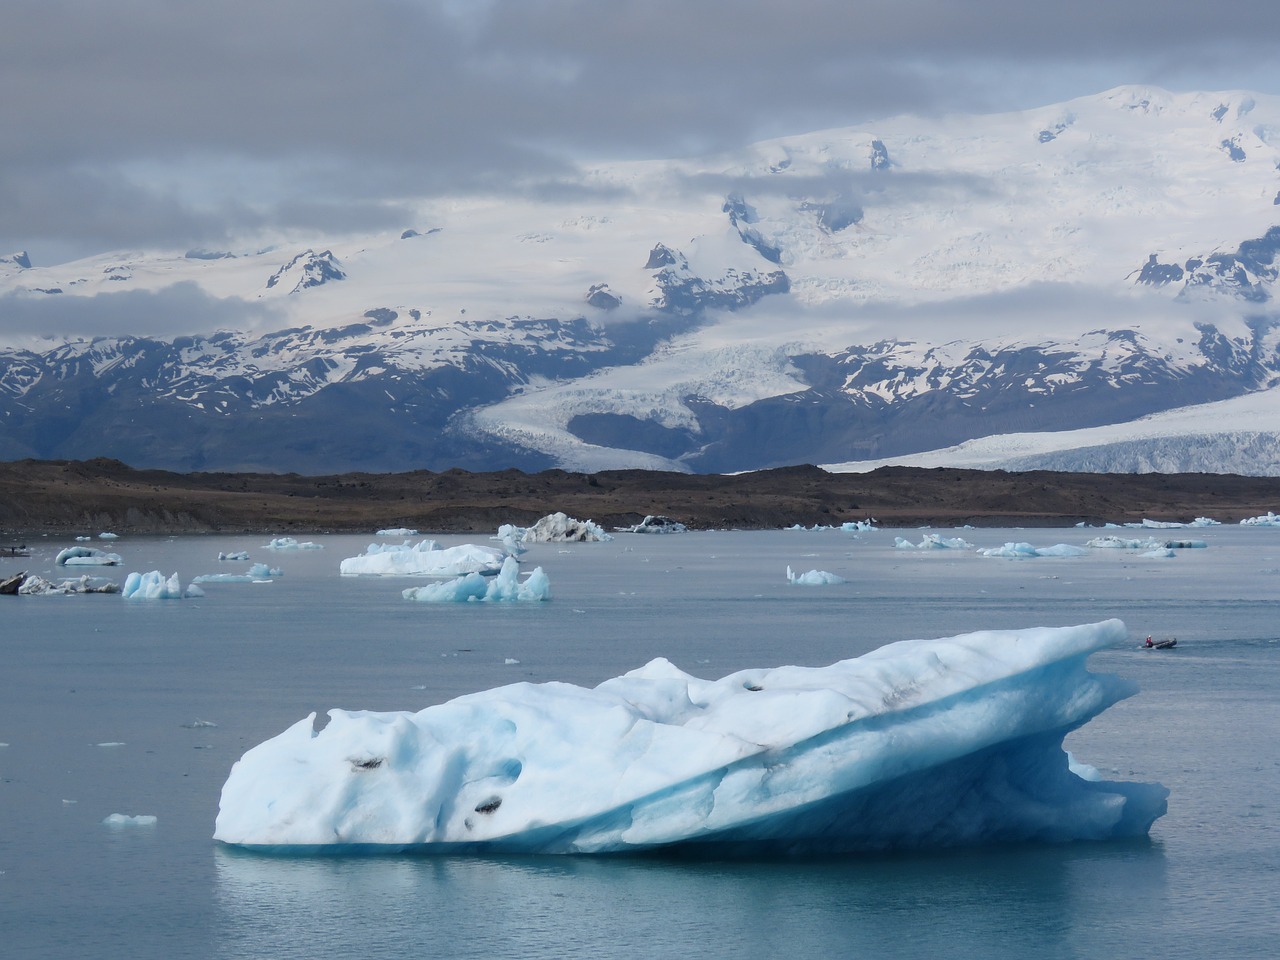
point(918, 744)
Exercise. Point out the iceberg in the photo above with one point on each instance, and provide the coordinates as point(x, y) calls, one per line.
point(919, 744)
point(291, 543)
point(1024, 549)
point(1269, 519)
point(397, 532)
point(234, 555)
point(86, 557)
point(556, 528)
point(933, 541)
point(37, 586)
point(814, 578)
point(655, 524)
point(506, 586)
point(151, 586)
point(424, 559)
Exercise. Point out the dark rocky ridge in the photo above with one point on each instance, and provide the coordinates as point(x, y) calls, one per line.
point(70, 496)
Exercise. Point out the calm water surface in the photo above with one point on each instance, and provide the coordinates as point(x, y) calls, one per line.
point(104, 705)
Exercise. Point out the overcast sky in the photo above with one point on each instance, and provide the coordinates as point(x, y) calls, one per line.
point(184, 123)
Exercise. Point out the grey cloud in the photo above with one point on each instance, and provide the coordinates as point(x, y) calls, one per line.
point(175, 310)
point(345, 108)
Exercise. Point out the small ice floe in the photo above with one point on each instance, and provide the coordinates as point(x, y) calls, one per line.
point(933, 541)
point(1023, 549)
point(814, 578)
point(655, 524)
point(151, 586)
point(1269, 519)
point(83, 539)
point(258, 573)
point(1112, 542)
point(110, 743)
point(289, 543)
point(510, 661)
point(858, 526)
point(105, 535)
point(125, 820)
point(1186, 544)
point(424, 559)
point(556, 528)
point(397, 532)
point(37, 586)
point(199, 724)
point(506, 586)
point(1159, 553)
point(193, 590)
point(86, 557)
point(235, 555)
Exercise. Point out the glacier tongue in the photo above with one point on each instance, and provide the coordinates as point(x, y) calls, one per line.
point(922, 743)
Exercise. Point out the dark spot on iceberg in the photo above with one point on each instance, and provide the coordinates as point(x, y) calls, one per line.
point(489, 806)
point(372, 763)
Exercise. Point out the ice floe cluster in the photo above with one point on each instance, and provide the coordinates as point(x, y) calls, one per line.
point(921, 743)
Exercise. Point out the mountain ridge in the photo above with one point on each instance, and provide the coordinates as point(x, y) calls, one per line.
point(848, 295)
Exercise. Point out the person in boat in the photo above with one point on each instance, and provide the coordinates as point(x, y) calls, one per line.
point(1150, 642)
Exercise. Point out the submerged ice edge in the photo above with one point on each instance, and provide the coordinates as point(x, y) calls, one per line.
point(917, 744)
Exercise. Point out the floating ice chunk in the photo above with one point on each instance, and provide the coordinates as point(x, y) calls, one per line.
point(814, 578)
point(858, 526)
point(934, 541)
point(425, 559)
point(193, 590)
point(655, 524)
point(1111, 542)
point(1186, 544)
point(107, 536)
point(86, 557)
point(922, 743)
point(289, 543)
point(1268, 520)
point(397, 532)
point(506, 586)
point(237, 555)
point(124, 820)
point(560, 528)
point(1159, 553)
point(151, 586)
point(37, 586)
point(1023, 549)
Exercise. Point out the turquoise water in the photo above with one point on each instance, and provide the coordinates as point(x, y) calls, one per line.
point(79, 673)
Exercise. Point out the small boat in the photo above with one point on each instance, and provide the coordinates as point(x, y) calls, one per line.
point(1160, 644)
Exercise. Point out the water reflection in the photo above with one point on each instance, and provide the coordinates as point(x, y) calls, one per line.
point(1019, 901)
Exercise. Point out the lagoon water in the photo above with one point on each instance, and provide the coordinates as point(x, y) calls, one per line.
point(109, 706)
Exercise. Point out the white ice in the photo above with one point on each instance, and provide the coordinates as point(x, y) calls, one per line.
point(151, 586)
point(125, 820)
point(290, 543)
point(655, 524)
point(1023, 549)
point(506, 586)
point(86, 557)
point(556, 528)
point(921, 743)
point(424, 559)
point(1269, 519)
point(397, 532)
point(933, 541)
point(235, 555)
point(258, 572)
point(814, 578)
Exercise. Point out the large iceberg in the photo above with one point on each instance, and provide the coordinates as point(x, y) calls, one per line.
point(424, 559)
point(922, 743)
point(555, 528)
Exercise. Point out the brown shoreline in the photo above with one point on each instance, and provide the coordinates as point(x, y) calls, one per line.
point(61, 496)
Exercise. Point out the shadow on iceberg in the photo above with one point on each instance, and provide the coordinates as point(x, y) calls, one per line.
point(921, 744)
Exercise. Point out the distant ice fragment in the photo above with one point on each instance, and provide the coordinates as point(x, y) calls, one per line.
point(124, 820)
point(289, 543)
point(561, 528)
point(814, 578)
point(237, 555)
point(1023, 549)
point(397, 532)
point(1269, 519)
point(922, 743)
point(655, 524)
point(933, 541)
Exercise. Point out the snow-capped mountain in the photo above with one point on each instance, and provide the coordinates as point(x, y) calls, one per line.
point(849, 295)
